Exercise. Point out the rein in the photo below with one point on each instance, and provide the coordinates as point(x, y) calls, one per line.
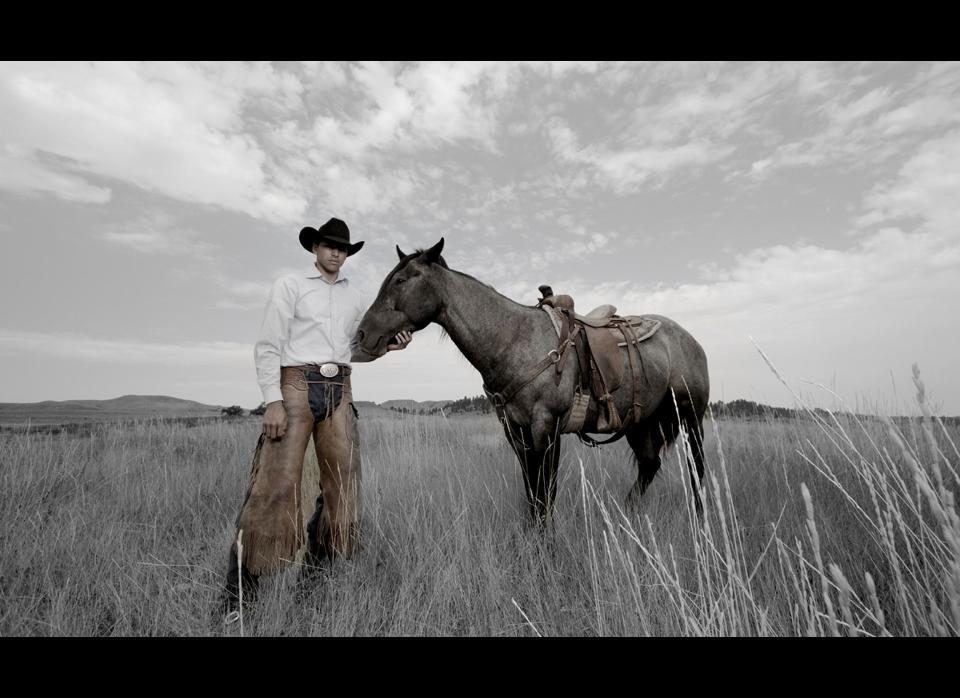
point(554, 356)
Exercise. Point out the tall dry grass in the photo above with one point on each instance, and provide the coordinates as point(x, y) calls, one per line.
point(844, 526)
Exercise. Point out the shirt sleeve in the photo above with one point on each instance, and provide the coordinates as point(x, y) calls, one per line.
point(273, 333)
point(360, 308)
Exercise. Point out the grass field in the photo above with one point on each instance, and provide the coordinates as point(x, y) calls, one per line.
point(812, 528)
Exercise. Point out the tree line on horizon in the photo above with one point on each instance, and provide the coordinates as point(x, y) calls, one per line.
point(479, 404)
point(735, 409)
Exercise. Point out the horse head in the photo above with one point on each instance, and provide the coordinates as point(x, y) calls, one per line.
point(409, 299)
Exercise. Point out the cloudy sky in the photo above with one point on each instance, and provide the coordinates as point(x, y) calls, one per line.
point(145, 209)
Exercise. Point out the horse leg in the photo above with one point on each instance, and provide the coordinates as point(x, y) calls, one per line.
point(645, 440)
point(541, 480)
point(691, 420)
point(539, 456)
point(694, 426)
point(520, 439)
point(542, 468)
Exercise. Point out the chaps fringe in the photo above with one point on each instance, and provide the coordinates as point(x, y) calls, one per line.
point(265, 554)
point(265, 548)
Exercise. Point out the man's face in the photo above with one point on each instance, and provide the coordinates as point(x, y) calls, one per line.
point(330, 256)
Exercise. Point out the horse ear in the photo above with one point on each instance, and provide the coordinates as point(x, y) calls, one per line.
point(401, 253)
point(433, 254)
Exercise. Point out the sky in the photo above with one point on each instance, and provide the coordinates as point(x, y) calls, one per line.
point(805, 209)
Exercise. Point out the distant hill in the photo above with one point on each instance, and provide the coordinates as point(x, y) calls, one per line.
point(137, 406)
point(126, 406)
point(372, 409)
point(414, 405)
point(465, 405)
point(747, 409)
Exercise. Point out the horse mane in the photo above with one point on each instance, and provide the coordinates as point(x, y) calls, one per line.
point(443, 263)
point(483, 283)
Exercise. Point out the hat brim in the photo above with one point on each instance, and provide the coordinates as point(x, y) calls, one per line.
point(310, 236)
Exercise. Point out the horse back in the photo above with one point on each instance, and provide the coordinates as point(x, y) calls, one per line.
point(669, 358)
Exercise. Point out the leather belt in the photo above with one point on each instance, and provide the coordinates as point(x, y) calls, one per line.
point(328, 370)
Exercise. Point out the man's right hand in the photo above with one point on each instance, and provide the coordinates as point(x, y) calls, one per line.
point(275, 420)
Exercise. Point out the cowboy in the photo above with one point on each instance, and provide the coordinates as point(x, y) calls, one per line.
point(302, 358)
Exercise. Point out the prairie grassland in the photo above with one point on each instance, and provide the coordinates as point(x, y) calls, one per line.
point(812, 528)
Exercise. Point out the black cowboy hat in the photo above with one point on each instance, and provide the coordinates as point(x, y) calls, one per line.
point(334, 230)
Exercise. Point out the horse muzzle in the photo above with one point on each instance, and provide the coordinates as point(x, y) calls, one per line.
point(362, 351)
point(360, 356)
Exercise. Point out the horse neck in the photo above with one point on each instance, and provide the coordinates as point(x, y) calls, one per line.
point(489, 329)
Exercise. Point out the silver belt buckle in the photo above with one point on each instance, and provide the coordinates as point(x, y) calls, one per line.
point(329, 370)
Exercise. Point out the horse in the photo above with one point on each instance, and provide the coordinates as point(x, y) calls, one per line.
point(504, 339)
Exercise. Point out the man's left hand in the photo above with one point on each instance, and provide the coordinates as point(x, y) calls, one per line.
point(400, 341)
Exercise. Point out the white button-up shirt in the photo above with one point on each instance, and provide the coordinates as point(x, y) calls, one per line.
point(308, 320)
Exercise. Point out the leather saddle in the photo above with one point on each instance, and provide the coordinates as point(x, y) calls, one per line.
point(597, 338)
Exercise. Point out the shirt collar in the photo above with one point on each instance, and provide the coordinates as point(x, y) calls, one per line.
point(314, 273)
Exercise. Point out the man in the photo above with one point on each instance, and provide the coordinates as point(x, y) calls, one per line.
point(302, 358)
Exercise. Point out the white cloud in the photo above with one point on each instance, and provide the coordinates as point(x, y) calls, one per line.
point(924, 113)
point(792, 278)
point(622, 169)
point(670, 118)
point(564, 141)
point(323, 75)
point(353, 191)
point(21, 172)
point(449, 106)
point(379, 125)
point(414, 107)
point(844, 124)
point(710, 101)
point(926, 187)
point(272, 140)
point(845, 114)
point(580, 247)
point(167, 127)
point(158, 233)
point(630, 167)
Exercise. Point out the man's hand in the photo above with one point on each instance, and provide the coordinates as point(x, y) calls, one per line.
point(400, 341)
point(275, 420)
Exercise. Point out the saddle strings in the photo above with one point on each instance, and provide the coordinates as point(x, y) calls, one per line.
point(328, 395)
